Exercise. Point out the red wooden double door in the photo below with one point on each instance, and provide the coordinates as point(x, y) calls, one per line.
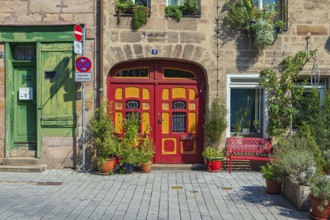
point(169, 96)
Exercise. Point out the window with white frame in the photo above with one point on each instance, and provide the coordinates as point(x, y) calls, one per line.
point(312, 95)
point(186, 6)
point(246, 106)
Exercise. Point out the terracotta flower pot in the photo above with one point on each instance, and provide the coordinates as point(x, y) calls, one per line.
point(316, 213)
point(273, 187)
point(213, 165)
point(145, 167)
point(108, 166)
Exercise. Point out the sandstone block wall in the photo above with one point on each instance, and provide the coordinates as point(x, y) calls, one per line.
point(194, 39)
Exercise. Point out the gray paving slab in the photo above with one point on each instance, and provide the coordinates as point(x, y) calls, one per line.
point(158, 195)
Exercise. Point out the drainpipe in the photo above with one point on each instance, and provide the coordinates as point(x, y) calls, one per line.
point(100, 86)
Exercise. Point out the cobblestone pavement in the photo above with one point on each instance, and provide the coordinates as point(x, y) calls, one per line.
point(157, 195)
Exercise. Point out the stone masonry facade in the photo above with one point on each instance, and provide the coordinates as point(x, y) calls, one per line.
point(191, 40)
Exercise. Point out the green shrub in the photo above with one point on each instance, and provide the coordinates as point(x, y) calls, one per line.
point(174, 12)
point(140, 17)
point(104, 139)
point(269, 172)
point(296, 163)
point(128, 151)
point(211, 152)
point(322, 128)
point(217, 122)
point(326, 157)
point(264, 33)
point(239, 14)
point(320, 189)
point(189, 6)
point(146, 150)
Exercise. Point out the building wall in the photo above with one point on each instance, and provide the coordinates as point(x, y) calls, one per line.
point(194, 40)
point(56, 151)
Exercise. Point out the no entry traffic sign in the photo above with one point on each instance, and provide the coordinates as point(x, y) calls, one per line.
point(78, 33)
point(83, 64)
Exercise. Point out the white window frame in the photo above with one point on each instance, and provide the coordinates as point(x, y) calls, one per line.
point(243, 85)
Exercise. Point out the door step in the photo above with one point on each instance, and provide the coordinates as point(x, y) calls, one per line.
point(29, 165)
point(25, 169)
point(20, 161)
point(178, 166)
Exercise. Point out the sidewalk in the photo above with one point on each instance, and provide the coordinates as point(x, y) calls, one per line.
point(67, 194)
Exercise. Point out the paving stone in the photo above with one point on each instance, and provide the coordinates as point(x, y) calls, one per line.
point(140, 196)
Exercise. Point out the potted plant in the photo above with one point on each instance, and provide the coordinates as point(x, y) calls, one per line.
point(146, 153)
point(104, 138)
point(273, 179)
point(320, 197)
point(128, 151)
point(294, 159)
point(214, 158)
point(214, 128)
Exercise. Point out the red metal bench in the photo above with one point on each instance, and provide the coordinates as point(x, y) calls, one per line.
point(248, 149)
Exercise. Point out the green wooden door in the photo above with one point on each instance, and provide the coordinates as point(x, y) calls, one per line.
point(25, 112)
point(58, 89)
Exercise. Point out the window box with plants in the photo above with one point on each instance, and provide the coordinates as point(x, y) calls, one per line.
point(214, 128)
point(260, 24)
point(189, 8)
point(139, 12)
point(273, 179)
point(320, 198)
point(104, 139)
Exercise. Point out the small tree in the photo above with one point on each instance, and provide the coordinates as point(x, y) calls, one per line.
point(104, 138)
point(283, 91)
point(216, 123)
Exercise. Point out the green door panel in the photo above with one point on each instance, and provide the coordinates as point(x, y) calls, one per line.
point(58, 89)
point(25, 112)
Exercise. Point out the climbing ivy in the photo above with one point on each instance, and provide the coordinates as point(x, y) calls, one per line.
point(283, 91)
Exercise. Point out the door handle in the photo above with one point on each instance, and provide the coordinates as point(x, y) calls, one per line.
point(159, 120)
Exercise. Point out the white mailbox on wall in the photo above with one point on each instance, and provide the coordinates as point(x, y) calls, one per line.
point(25, 93)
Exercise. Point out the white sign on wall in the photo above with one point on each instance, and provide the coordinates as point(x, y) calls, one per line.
point(83, 77)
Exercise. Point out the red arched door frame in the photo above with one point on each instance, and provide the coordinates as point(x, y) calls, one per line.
point(170, 96)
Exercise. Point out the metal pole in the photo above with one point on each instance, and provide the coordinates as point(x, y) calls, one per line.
point(83, 109)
